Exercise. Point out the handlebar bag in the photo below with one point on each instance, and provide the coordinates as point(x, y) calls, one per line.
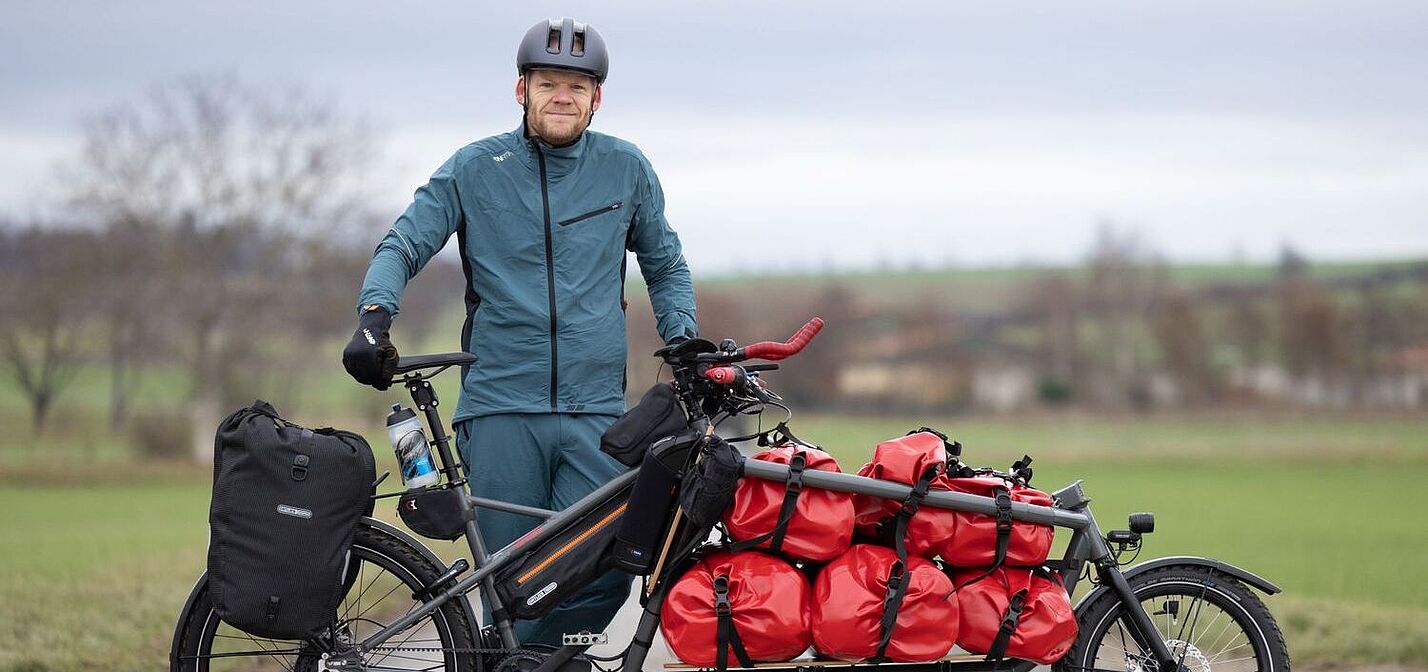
point(563, 564)
point(747, 607)
point(657, 415)
point(918, 458)
point(810, 524)
point(990, 541)
point(1015, 613)
point(286, 502)
point(858, 614)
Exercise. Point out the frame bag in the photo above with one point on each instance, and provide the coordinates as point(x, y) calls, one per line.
point(434, 513)
point(810, 524)
point(1015, 613)
point(869, 606)
point(286, 502)
point(563, 564)
point(746, 607)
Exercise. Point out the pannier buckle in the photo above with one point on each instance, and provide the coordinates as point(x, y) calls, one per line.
point(721, 596)
point(1013, 615)
point(300, 467)
point(1003, 502)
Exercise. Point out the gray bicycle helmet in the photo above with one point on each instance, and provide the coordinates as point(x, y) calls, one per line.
point(564, 44)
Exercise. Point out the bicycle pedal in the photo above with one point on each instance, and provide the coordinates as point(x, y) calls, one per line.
point(585, 639)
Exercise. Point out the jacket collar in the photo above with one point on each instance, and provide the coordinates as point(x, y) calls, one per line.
point(558, 160)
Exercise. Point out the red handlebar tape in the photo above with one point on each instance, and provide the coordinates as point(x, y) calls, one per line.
point(775, 351)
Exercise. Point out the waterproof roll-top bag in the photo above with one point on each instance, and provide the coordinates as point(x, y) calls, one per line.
point(858, 615)
point(563, 564)
point(286, 502)
point(1015, 613)
point(737, 609)
point(988, 541)
point(916, 458)
point(652, 504)
point(803, 523)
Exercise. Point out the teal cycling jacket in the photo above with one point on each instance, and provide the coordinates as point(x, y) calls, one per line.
point(543, 233)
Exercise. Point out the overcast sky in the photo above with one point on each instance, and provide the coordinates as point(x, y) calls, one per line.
point(810, 134)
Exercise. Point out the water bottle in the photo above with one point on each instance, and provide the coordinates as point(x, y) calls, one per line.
point(413, 453)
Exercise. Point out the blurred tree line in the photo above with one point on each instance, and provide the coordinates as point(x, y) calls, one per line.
point(1116, 333)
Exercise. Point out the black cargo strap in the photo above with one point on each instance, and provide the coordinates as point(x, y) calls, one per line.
point(792, 487)
point(898, 580)
point(899, 577)
point(1004, 529)
point(728, 635)
point(1010, 620)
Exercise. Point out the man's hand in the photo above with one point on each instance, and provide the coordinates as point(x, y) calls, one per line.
point(370, 356)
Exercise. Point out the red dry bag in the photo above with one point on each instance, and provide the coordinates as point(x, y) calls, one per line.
point(916, 460)
point(992, 541)
point(1015, 613)
point(803, 523)
point(869, 606)
point(750, 605)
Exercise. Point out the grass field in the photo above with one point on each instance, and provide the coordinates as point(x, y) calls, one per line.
point(92, 573)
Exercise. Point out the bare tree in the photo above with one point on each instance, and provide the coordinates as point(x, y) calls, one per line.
point(218, 197)
point(44, 304)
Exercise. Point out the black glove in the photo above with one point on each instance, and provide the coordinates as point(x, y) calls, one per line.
point(370, 356)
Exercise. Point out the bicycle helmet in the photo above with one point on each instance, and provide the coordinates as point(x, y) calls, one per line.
point(564, 44)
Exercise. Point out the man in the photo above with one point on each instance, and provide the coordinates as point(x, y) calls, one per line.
point(543, 216)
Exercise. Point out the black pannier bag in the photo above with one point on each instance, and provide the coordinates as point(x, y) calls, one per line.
point(657, 415)
point(434, 513)
point(286, 502)
point(563, 564)
point(652, 504)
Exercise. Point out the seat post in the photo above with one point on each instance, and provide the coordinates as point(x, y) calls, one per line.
point(424, 396)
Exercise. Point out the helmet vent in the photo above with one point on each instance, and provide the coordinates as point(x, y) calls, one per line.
point(577, 44)
point(552, 43)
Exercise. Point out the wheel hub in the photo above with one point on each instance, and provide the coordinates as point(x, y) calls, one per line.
point(1194, 660)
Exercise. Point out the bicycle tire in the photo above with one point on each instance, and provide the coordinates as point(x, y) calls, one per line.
point(387, 572)
point(1230, 628)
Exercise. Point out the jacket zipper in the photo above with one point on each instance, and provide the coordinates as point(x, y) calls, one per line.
point(598, 211)
point(549, 275)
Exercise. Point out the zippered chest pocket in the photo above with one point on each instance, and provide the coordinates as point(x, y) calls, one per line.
point(593, 213)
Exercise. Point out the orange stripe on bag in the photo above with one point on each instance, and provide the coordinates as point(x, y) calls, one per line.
point(573, 542)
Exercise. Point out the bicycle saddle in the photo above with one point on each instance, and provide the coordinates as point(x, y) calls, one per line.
point(419, 362)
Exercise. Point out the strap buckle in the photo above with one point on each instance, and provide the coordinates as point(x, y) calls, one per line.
point(895, 579)
point(1003, 502)
point(721, 596)
point(794, 482)
point(1013, 615)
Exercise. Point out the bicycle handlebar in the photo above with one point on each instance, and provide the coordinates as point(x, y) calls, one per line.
point(774, 351)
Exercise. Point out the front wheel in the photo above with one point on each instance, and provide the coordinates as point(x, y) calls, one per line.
point(388, 571)
point(1210, 621)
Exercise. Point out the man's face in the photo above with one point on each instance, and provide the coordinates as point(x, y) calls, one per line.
point(558, 104)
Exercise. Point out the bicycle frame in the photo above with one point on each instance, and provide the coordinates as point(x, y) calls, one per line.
point(1071, 512)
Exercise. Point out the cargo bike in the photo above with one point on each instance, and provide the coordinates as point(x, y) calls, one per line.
point(404, 608)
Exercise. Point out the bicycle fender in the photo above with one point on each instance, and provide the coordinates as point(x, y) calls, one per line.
point(425, 553)
point(1225, 568)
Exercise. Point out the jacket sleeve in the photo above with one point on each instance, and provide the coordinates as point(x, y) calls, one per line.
point(661, 260)
point(418, 234)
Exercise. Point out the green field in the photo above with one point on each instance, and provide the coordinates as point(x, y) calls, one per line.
point(93, 573)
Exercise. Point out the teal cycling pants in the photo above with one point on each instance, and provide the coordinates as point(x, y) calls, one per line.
point(546, 460)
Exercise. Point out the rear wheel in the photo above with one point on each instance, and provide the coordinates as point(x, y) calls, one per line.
point(1210, 621)
point(388, 571)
